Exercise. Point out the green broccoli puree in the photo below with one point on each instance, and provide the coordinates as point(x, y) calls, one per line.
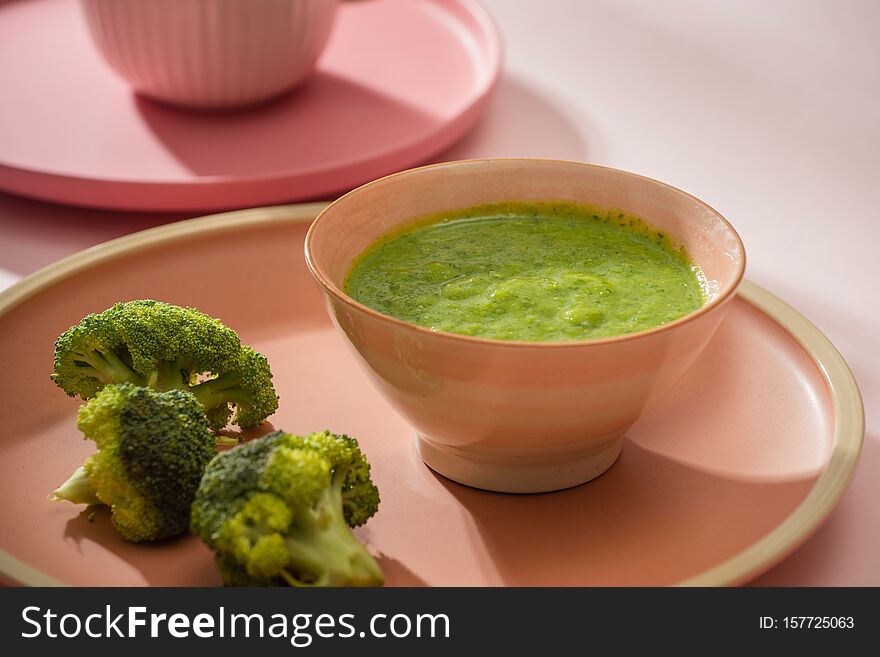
point(545, 271)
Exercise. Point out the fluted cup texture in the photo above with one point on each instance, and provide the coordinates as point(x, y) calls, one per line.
point(211, 53)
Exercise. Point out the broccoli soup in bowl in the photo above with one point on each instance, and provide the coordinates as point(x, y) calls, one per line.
point(528, 271)
point(518, 325)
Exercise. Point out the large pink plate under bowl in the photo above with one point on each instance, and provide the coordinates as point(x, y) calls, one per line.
point(400, 81)
point(744, 459)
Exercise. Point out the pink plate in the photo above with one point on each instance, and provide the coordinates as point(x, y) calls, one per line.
point(736, 467)
point(399, 82)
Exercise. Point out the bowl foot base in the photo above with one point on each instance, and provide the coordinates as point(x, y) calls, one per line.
point(526, 474)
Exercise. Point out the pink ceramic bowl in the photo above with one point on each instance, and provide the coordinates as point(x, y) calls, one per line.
point(211, 53)
point(520, 416)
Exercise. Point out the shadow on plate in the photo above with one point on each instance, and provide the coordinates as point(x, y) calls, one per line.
point(647, 521)
point(309, 128)
point(397, 574)
point(181, 560)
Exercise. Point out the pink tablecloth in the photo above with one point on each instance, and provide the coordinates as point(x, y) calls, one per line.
point(768, 111)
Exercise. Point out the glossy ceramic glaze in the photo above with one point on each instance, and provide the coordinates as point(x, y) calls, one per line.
point(520, 416)
point(368, 110)
point(730, 471)
point(211, 54)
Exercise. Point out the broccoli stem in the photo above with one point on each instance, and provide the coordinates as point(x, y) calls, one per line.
point(77, 489)
point(163, 377)
point(109, 367)
point(225, 388)
point(168, 375)
point(293, 581)
point(323, 549)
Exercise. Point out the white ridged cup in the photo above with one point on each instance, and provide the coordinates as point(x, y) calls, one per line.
point(211, 53)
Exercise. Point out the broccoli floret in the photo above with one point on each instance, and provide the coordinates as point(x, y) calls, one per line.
point(166, 347)
point(152, 450)
point(278, 510)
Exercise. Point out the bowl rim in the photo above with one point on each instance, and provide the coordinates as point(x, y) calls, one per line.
point(324, 281)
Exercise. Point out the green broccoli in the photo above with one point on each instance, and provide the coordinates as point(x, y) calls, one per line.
point(166, 347)
point(277, 511)
point(152, 450)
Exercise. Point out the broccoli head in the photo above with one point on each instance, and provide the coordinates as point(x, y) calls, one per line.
point(278, 510)
point(152, 450)
point(166, 347)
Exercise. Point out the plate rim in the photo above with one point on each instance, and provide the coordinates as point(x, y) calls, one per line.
point(756, 558)
point(101, 192)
